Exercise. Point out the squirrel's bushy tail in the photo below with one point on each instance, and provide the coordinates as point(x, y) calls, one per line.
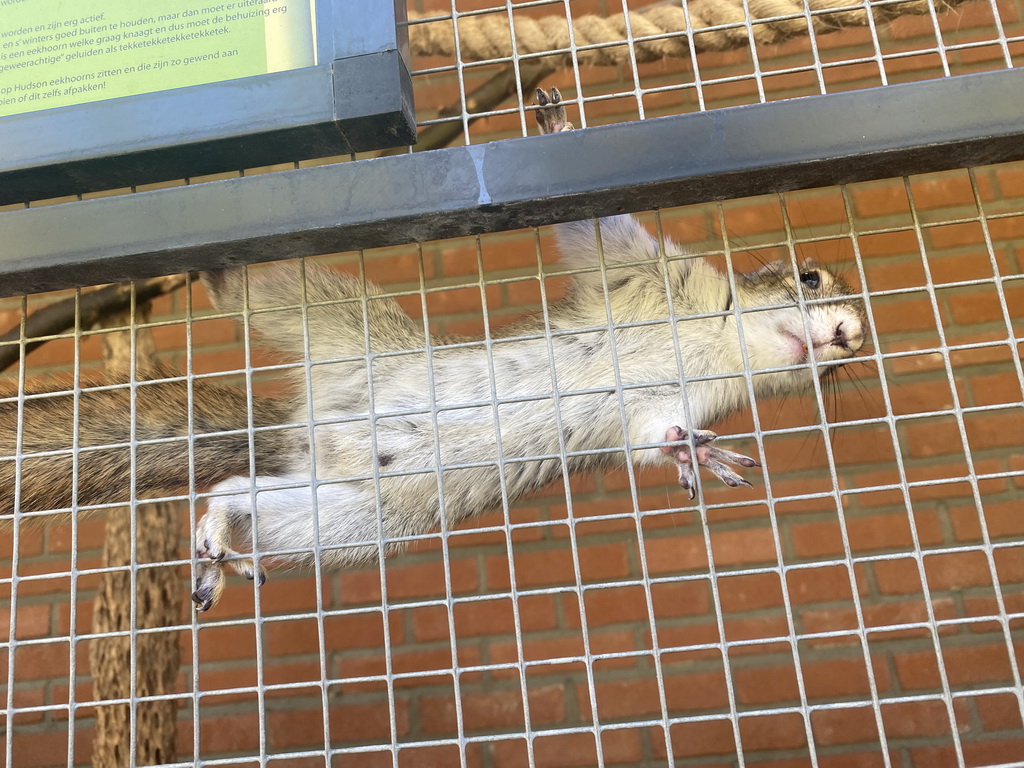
point(290, 305)
point(105, 465)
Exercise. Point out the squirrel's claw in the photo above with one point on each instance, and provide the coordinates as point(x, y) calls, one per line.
point(551, 115)
point(687, 477)
point(248, 568)
point(708, 456)
point(209, 585)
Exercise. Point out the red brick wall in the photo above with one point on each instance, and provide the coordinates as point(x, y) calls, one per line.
point(777, 629)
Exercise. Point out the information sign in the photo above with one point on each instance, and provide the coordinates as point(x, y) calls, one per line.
point(58, 53)
point(106, 94)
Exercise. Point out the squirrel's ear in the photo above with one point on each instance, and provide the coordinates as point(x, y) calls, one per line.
point(622, 239)
point(776, 267)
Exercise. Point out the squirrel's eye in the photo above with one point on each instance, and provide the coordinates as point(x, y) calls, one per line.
point(810, 279)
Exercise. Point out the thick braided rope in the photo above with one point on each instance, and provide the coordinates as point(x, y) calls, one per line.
point(487, 36)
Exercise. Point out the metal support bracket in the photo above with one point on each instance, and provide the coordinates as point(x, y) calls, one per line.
point(822, 140)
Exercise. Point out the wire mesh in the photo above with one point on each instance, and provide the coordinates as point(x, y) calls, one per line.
point(811, 56)
point(862, 604)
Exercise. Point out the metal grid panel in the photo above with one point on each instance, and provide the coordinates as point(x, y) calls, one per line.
point(862, 600)
point(861, 605)
point(930, 41)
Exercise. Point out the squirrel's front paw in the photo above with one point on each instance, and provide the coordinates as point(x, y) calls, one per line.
point(708, 456)
point(551, 115)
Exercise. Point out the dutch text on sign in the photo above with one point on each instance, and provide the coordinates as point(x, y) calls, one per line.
point(57, 53)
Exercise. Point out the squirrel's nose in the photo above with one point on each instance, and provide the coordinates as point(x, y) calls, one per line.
point(848, 335)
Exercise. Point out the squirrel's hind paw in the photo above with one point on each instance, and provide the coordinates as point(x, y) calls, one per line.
point(209, 585)
point(708, 456)
point(213, 551)
point(210, 581)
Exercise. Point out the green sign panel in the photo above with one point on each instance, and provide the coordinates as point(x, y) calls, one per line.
point(56, 53)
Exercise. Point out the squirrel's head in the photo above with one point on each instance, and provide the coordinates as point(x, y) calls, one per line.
point(794, 316)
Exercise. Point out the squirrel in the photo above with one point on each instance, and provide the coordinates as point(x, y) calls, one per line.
point(597, 376)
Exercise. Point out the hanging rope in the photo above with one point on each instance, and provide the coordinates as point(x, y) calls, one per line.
point(487, 36)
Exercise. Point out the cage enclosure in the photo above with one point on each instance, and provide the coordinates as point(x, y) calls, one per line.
point(861, 603)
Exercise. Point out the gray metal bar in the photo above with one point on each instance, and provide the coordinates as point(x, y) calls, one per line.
point(814, 141)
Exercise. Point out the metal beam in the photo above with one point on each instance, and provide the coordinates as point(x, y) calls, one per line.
point(808, 142)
